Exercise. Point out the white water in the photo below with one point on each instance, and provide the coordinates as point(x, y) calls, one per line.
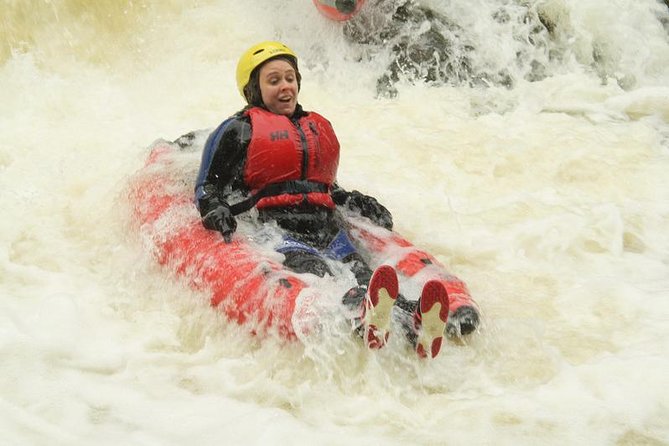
point(550, 199)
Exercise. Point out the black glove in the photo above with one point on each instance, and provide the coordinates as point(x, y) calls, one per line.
point(221, 219)
point(370, 208)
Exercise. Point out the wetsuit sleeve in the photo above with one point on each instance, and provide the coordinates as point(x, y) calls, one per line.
point(339, 194)
point(221, 169)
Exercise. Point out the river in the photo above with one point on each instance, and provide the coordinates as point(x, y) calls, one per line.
point(539, 176)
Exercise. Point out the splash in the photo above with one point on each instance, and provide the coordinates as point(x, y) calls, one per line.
point(502, 43)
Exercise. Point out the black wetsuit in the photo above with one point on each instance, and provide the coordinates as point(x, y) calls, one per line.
point(222, 174)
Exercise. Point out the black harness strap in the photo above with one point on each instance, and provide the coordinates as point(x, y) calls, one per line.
point(287, 187)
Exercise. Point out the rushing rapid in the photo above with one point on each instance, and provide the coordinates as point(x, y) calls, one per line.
point(523, 143)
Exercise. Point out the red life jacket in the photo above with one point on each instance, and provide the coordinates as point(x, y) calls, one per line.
point(289, 163)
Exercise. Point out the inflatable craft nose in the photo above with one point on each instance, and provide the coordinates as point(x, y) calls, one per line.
point(339, 10)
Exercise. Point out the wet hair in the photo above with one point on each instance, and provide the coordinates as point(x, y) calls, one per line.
point(252, 89)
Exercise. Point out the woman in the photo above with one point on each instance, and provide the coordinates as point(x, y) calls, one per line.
point(281, 160)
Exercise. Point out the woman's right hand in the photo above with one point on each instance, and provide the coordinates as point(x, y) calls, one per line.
point(221, 219)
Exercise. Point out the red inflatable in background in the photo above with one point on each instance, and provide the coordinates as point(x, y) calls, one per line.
point(339, 10)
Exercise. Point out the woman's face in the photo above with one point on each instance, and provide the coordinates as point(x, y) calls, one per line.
point(278, 87)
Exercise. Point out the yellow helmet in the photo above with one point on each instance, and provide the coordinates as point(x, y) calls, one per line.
point(255, 56)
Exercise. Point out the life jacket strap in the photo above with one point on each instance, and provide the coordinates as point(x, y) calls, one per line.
point(294, 187)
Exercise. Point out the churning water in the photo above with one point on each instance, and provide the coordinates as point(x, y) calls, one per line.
point(533, 162)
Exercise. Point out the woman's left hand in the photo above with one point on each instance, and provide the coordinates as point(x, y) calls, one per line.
point(369, 207)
